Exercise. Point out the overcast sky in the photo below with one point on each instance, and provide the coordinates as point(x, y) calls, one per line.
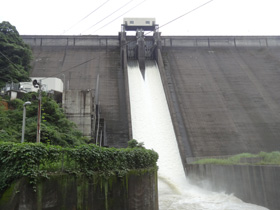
point(68, 17)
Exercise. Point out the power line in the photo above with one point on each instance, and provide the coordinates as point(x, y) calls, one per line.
point(10, 61)
point(196, 8)
point(120, 15)
point(70, 68)
point(98, 29)
point(132, 41)
point(109, 15)
point(202, 5)
point(7, 58)
point(86, 16)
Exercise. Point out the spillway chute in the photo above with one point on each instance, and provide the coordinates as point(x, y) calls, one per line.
point(152, 125)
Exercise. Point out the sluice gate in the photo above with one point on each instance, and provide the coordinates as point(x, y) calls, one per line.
point(140, 47)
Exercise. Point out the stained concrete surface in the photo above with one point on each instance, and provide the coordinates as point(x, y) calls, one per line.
point(63, 191)
point(228, 96)
point(227, 88)
point(78, 61)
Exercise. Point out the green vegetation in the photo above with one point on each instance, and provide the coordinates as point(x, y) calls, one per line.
point(63, 149)
point(15, 56)
point(36, 160)
point(56, 129)
point(263, 158)
point(134, 144)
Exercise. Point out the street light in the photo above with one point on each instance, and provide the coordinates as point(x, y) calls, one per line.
point(23, 120)
point(63, 82)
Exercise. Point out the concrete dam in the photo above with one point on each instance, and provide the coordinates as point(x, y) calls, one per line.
point(222, 95)
point(222, 92)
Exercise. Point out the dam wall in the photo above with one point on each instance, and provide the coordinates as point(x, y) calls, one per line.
point(253, 184)
point(222, 92)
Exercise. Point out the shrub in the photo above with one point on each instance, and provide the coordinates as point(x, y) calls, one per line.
point(35, 160)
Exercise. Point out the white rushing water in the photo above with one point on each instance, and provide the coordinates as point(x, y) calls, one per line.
point(151, 124)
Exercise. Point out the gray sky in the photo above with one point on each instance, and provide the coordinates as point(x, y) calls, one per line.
point(219, 17)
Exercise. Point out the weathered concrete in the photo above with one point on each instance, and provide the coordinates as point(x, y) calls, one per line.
point(228, 97)
point(77, 41)
point(124, 56)
point(137, 191)
point(78, 61)
point(78, 108)
point(223, 92)
point(254, 184)
point(220, 41)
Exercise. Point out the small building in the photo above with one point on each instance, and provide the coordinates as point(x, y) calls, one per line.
point(146, 24)
point(50, 85)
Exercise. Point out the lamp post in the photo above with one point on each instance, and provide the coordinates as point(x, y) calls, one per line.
point(23, 120)
point(63, 82)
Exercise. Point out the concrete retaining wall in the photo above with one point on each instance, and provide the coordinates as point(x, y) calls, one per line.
point(254, 184)
point(134, 192)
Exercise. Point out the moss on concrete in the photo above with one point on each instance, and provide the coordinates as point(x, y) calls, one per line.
point(9, 193)
point(64, 191)
point(263, 158)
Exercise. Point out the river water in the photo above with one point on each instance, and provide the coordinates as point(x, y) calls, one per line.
point(151, 124)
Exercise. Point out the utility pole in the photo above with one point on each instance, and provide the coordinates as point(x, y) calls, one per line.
point(37, 84)
point(23, 120)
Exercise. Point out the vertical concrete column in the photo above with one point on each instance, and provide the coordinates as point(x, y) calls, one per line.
point(141, 49)
point(78, 109)
point(123, 52)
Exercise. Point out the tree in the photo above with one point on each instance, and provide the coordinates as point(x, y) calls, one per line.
point(15, 56)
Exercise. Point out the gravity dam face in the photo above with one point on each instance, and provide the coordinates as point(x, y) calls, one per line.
point(224, 89)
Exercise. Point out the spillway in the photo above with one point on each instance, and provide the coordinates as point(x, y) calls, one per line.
point(152, 125)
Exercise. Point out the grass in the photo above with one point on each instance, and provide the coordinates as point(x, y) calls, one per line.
point(263, 158)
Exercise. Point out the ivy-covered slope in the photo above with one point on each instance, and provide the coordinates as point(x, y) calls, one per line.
point(33, 161)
